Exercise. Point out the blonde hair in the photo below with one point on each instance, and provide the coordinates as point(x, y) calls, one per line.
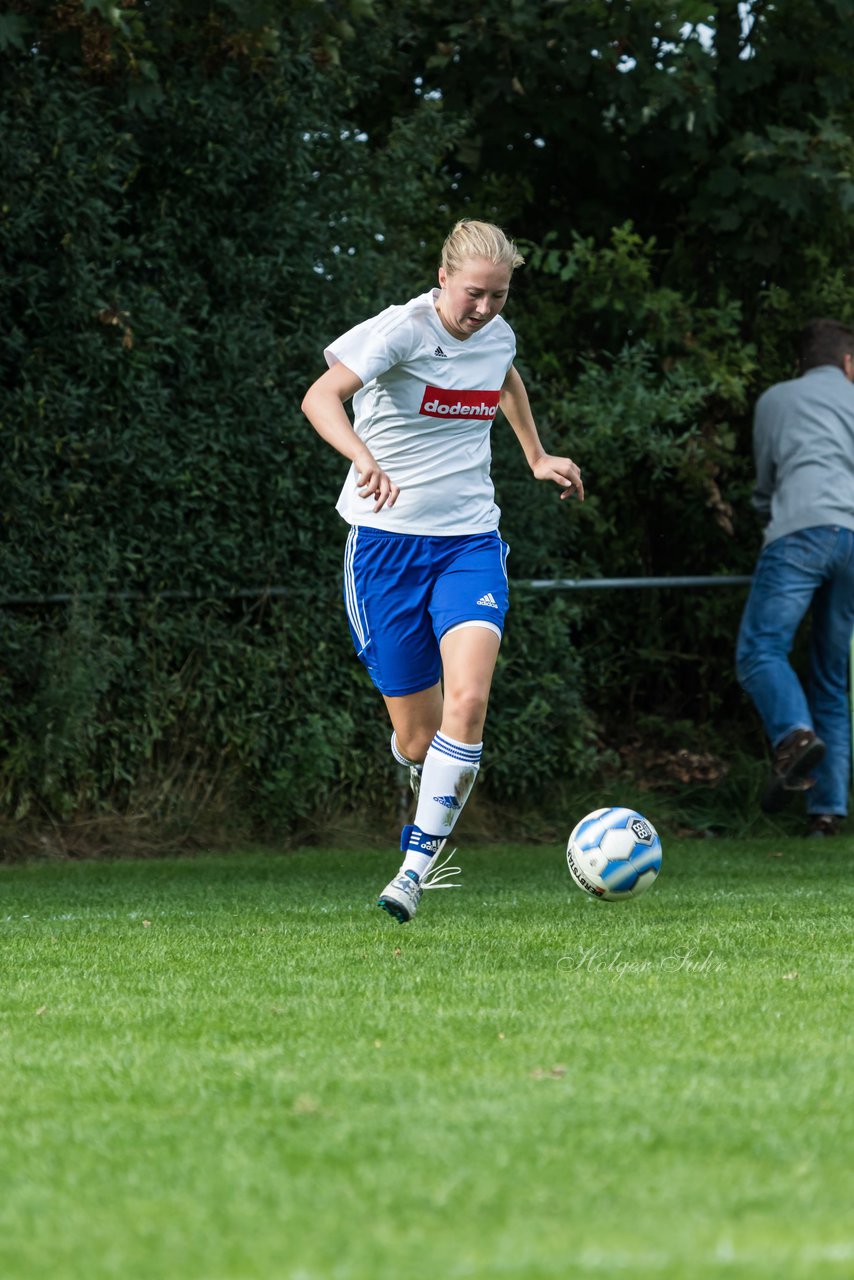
point(472, 239)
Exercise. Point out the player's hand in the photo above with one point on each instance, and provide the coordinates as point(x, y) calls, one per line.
point(563, 472)
point(373, 482)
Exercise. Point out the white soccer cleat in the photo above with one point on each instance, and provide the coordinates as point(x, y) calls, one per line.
point(401, 896)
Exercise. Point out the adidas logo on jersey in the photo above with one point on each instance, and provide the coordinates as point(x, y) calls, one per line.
point(488, 599)
point(440, 352)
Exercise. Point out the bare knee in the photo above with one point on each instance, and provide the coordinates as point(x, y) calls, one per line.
point(416, 718)
point(413, 743)
point(465, 713)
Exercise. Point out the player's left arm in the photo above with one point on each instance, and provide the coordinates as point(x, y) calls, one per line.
point(516, 408)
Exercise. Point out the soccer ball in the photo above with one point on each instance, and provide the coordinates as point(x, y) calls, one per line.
point(614, 854)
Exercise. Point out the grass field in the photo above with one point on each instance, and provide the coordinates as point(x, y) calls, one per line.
point(230, 1067)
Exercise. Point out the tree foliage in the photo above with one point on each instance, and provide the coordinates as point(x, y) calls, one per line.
point(197, 196)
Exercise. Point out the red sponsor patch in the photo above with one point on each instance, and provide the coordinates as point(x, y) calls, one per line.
point(438, 403)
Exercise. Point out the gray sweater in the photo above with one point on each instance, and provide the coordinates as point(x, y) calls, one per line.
point(803, 443)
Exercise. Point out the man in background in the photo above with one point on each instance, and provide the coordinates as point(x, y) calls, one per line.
point(803, 442)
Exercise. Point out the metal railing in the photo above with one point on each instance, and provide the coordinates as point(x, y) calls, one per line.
point(602, 584)
point(279, 592)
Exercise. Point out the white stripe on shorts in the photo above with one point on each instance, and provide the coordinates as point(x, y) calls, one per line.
point(351, 599)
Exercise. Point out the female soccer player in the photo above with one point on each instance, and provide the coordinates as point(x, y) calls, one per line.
point(425, 578)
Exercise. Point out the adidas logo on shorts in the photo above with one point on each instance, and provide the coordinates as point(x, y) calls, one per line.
point(488, 599)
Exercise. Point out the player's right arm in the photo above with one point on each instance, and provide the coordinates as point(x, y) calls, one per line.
point(323, 405)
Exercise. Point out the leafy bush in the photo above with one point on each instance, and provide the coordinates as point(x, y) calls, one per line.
point(198, 197)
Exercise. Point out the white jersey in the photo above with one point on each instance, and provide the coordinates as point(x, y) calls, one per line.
point(425, 411)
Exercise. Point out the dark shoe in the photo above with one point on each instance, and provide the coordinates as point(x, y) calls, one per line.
point(796, 755)
point(824, 824)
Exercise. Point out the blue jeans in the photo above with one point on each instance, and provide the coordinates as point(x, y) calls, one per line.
point(813, 567)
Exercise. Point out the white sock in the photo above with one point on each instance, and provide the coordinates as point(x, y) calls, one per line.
point(400, 757)
point(450, 770)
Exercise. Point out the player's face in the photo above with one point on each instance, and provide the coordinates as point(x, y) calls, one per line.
point(472, 296)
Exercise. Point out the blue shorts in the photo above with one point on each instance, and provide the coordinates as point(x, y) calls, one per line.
point(404, 591)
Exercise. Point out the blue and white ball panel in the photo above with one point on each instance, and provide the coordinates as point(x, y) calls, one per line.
point(619, 877)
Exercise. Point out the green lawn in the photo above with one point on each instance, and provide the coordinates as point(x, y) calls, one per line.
point(230, 1067)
